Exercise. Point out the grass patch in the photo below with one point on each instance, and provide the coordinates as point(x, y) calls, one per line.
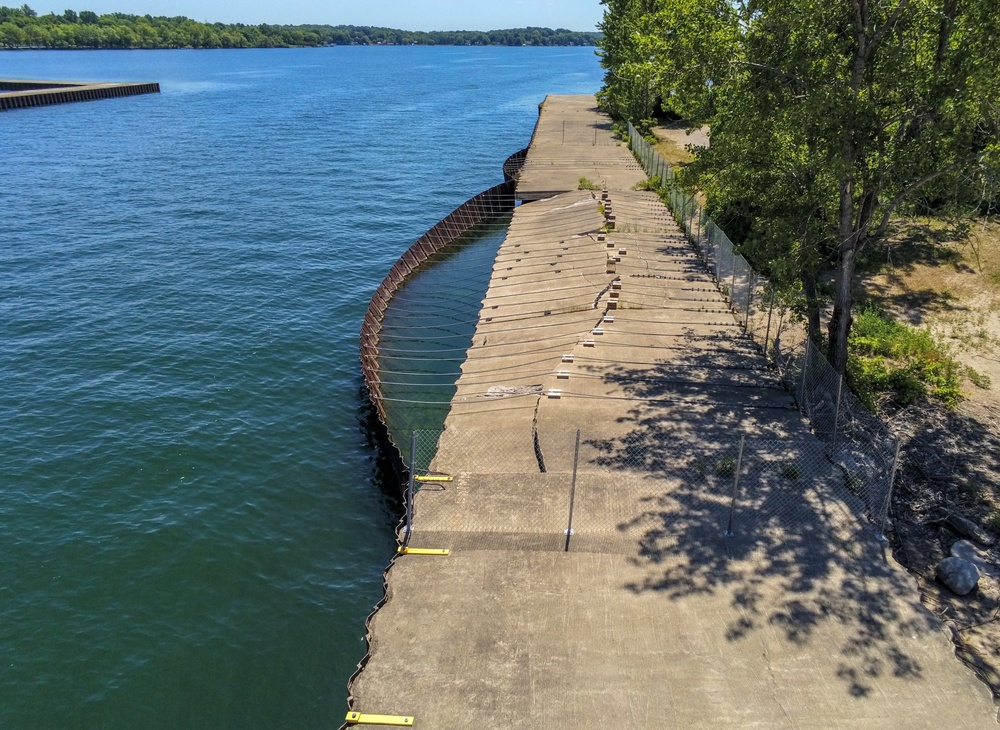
point(980, 380)
point(726, 467)
point(652, 183)
point(892, 361)
point(790, 470)
point(585, 183)
point(673, 152)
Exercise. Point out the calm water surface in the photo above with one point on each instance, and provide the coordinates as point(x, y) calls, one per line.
point(193, 519)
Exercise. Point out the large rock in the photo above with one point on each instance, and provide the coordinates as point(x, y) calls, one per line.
point(958, 574)
point(967, 551)
point(970, 529)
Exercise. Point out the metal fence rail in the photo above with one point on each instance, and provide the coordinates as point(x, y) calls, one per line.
point(856, 440)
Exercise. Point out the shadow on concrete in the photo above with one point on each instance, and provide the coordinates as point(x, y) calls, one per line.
point(803, 563)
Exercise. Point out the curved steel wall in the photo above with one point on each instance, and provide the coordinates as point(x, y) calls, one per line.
point(488, 204)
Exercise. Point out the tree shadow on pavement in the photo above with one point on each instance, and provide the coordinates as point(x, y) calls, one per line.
point(803, 562)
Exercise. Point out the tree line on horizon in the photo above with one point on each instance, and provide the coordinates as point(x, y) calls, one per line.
point(23, 28)
point(829, 123)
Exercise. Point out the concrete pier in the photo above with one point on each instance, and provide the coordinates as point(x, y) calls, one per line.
point(19, 93)
point(593, 582)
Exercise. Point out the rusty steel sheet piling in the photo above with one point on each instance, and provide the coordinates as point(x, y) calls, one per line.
point(483, 207)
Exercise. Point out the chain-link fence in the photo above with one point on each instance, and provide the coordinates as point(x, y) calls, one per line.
point(855, 439)
point(636, 493)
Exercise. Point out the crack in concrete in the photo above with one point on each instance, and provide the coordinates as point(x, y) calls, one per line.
point(539, 457)
point(605, 290)
point(774, 685)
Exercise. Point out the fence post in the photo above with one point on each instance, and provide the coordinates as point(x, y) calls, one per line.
point(752, 287)
point(805, 370)
point(572, 491)
point(836, 411)
point(888, 495)
point(767, 333)
point(409, 488)
point(736, 486)
point(732, 284)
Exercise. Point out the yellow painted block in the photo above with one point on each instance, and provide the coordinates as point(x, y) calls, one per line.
point(433, 479)
point(423, 551)
point(358, 718)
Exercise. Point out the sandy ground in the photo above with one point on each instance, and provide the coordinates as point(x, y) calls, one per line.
point(951, 285)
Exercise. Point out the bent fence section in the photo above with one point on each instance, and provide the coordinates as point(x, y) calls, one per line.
point(486, 206)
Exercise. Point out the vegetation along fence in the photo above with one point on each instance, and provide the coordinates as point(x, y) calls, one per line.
point(855, 439)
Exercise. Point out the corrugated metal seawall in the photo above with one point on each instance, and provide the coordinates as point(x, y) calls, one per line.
point(17, 94)
point(489, 204)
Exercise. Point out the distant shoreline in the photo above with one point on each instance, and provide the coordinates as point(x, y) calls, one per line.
point(21, 49)
point(23, 29)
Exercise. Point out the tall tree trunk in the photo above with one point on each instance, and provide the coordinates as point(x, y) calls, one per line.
point(843, 299)
point(840, 322)
point(849, 225)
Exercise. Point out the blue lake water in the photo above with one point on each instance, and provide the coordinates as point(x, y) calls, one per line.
point(193, 517)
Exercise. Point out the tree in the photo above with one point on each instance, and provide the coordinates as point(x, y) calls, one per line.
point(11, 36)
point(827, 118)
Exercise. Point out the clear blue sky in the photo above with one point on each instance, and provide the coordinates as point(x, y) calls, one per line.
point(406, 14)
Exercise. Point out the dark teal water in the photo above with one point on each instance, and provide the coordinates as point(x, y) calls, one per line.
point(193, 518)
point(427, 329)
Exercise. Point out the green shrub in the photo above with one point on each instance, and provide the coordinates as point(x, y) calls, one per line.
point(790, 470)
point(726, 467)
point(980, 380)
point(585, 183)
point(891, 359)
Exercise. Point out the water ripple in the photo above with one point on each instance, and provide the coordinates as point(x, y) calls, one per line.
point(194, 521)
